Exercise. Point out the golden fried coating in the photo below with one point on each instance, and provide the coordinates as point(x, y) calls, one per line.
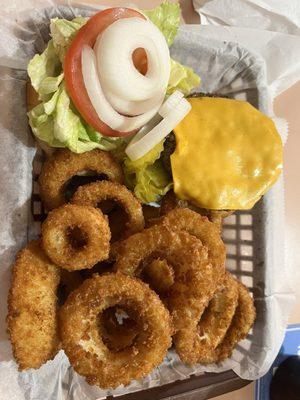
point(195, 279)
point(241, 324)
point(194, 345)
point(63, 165)
point(171, 201)
point(76, 237)
point(160, 276)
point(215, 322)
point(32, 308)
point(97, 192)
point(82, 337)
point(184, 219)
point(237, 330)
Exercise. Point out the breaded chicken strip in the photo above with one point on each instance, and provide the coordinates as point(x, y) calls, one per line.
point(32, 307)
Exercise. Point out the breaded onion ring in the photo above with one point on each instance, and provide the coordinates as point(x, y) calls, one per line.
point(82, 337)
point(239, 328)
point(171, 201)
point(195, 279)
point(160, 276)
point(97, 192)
point(199, 226)
point(32, 308)
point(196, 344)
point(63, 165)
point(76, 237)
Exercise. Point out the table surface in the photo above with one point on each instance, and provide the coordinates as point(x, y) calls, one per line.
point(286, 106)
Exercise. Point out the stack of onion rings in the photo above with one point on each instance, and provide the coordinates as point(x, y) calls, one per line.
point(195, 278)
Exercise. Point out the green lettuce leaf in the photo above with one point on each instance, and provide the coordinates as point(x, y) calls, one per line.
point(146, 176)
point(182, 78)
point(166, 17)
point(58, 125)
point(62, 33)
point(45, 71)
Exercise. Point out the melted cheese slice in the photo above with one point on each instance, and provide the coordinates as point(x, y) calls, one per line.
point(228, 154)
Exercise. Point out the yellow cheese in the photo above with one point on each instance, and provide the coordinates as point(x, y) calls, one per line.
point(228, 154)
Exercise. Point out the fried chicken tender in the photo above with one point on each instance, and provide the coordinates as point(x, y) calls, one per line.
point(32, 308)
point(58, 169)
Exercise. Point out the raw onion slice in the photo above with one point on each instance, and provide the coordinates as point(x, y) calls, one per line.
point(116, 69)
point(138, 148)
point(170, 103)
point(103, 108)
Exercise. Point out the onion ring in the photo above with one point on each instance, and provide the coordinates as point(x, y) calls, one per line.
point(82, 337)
point(195, 279)
point(171, 201)
point(32, 308)
point(197, 344)
point(199, 226)
point(95, 193)
point(159, 275)
point(63, 165)
point(241, 323)
point(76, 237)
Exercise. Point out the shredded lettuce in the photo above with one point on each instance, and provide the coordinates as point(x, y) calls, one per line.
point(146, 176)
point(56, 123)
point(166, 17)
point(62, 33)
point(44, 71)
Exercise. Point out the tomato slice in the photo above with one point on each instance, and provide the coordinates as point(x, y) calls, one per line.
point(73, 71)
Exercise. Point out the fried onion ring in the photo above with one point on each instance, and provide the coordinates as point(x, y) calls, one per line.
point(171, 201)
point(63, 165)
point(159, 275)
point(82, 337)
point(196, 344)
point(97, 192)
point(195, 279)
point(32, 308)
point(241, 323)
point(187, 220)
point(76, 237)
